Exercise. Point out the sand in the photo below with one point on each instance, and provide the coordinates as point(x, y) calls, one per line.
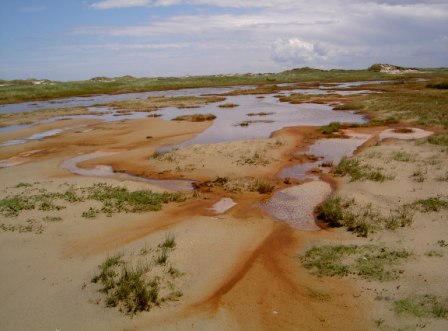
point(241, 270)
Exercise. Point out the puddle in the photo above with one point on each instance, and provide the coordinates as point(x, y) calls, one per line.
point(226, 125)
point(330, 152)
point(223, 205)
point(412, 133)
point(295, 205)
point(107, 171)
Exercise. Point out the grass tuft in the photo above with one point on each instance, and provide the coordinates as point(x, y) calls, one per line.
point(357, 171)
point(432, 204)
point(170, 241)
point(264, 187)
point(135, 286)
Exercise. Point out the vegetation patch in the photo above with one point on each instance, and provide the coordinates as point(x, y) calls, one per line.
point(443, 178)
point(361, 220)
point(195, 118)
point(139, 283)
point(30, 226)
point(164, 156)
point(440, 139)
point(228, 105)
point(367, 261)
point(261, 114)
point(234, 185)
point(318, 295)
point(118, 199)
point(113, 199)
point(423, 306)
point(247, 123)
point(358, 171)
point(402, 156)
point(349, 106)
point(433, 253)
point(418, 175)
point(432, 204)
point(256, 159)
point(330, 128)
point(440, 86)
point(263, 187)
point(406, 100)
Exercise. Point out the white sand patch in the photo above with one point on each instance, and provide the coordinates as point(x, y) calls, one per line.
point(223, 205)
point(414, 133)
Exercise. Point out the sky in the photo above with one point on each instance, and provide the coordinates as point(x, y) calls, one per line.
point(80, 39)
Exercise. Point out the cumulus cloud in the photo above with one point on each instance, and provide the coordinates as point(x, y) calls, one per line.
point(294, 50)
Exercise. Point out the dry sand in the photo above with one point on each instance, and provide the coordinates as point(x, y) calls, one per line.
point(419, 172)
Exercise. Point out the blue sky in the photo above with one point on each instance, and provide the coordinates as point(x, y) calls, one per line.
point(70, 40)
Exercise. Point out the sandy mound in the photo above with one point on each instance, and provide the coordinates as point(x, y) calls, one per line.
point(419, 185)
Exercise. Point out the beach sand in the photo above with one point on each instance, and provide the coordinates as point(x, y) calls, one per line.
point(241, 269)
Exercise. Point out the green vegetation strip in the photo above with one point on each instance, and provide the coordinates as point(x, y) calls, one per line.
point(112, 198)
point(368, 261)
point(24, 90)
point(195, 117)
